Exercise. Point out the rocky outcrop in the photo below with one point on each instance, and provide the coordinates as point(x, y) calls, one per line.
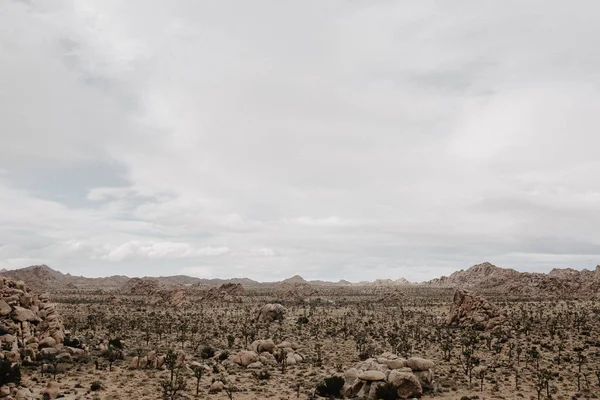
point(469, 309)
point(141, 287)
point(271, 312)
point(28, 322)
point(266, 352)
point(558, 283)
point(227, 292)
point(173, 297)
point(411, 377)
point(295, 291)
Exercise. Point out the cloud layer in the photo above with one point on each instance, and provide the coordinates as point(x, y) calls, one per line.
point(342, 139)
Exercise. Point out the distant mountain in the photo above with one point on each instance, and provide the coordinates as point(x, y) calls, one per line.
point(42, 277)
point(294, 279)
point(384, 282)
point(566, 282)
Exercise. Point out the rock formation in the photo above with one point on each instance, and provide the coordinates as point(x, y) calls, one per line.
point(558, 283)
point(28, 322)
point(227, 292)
point(295, 291)
point(471, 310)
point(271, 312)
point(411, 377)
point(141, 287)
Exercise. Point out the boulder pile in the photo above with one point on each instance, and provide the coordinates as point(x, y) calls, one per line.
point(469, 309)
point(263, 352)
point(411, 377)
point(153, 360)
point(28, 322)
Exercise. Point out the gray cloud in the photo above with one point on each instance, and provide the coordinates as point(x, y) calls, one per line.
point(332, 139)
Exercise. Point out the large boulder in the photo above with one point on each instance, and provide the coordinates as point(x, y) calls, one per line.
point(372, 376)
point(271, 312)
point(419, 364)
point(247, 357)
point(51, 391)
point(406, 383)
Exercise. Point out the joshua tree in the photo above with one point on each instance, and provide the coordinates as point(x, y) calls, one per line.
point(281, 358)
point(176, 380)
point(198, 369)
point(468, 362)
point(111, 354)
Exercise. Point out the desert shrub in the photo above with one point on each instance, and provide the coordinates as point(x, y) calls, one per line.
point(331, 387)
point(223, 356)
point(8, 373)
point(96, 385)
point(387, 391)
point(364, 355)
point(73, 343)
point(116, 343)
point(263, 375)
point(207, 352)
point(302, 320)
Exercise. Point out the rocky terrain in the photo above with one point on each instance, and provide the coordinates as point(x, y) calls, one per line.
point(558, 283)
point(482, 278)
point(147, 339)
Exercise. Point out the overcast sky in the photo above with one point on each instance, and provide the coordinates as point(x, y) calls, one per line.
point(331, 139)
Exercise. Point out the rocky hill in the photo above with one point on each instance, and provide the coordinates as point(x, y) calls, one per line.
point(42, 277)
point(557, 283)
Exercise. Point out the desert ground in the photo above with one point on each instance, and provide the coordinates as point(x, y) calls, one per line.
point(291, 341)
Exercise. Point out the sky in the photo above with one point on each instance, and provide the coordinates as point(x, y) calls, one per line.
point(332, 139)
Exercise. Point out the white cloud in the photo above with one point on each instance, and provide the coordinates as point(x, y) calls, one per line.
point(264, 251)
point(359, 137)
point(159, 250)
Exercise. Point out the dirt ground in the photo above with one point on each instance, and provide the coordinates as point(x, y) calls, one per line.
point(549, 349)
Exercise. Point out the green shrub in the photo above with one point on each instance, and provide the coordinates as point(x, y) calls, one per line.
point(116, 343)
point(331, 387)
point(387, 391)
point(263, 375)
point(224, 355)
point(207, 352)
point(8, 373)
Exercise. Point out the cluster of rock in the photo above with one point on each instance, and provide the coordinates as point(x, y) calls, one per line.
point(263, 352)
point(18, 393)
point(469, 309)
point(410, 377)
point(173, 297)
point(29, 322)
point(227, 292)
point(153, 360)
point(141, 287)
point(271, 312)
point(296, 291)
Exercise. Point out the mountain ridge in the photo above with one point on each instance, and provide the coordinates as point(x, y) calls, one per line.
point(482, 277)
